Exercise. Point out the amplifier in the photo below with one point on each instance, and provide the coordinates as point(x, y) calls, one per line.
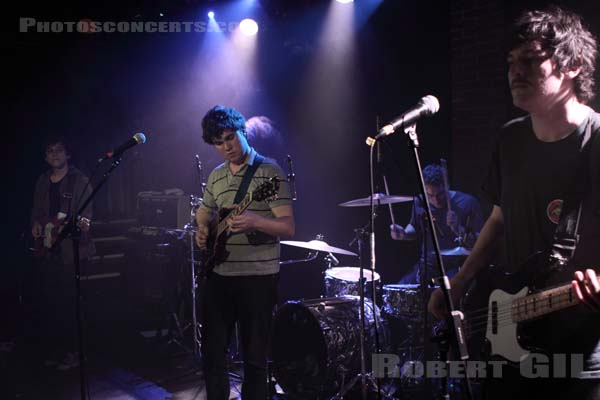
point(163, 210)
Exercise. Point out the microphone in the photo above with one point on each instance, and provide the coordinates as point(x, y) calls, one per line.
point(291, 177)
point(428, 105)
point(138, 138)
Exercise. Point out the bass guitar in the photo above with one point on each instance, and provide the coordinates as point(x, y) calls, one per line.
point(518, 322)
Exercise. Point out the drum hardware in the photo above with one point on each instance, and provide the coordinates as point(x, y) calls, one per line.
point(378, 199)
point(366, 378)
point(318, 244)
point(190, 230)
point(458, 251)
point(331, 261)
point(311, 256)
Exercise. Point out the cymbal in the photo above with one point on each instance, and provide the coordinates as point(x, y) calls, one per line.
point(378, 198)
point(456, 252)
point(318, 245)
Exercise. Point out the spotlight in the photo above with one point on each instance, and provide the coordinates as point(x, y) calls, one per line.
point(345, 1)
point(249, 27)
point(211, 14)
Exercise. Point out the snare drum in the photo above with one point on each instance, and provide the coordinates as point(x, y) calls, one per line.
point(343, 281)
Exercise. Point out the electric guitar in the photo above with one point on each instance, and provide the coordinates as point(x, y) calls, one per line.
point(518, 322)
point(216, 251)
point(51, 228)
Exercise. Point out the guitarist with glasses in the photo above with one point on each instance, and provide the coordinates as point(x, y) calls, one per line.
point(51, 293)
point(246, 209)
point(544, 184)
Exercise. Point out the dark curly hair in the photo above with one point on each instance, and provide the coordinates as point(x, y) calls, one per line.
point(564, 35)
point(433, 174)
point(219, 119)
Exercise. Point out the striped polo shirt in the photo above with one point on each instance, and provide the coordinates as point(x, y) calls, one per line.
point(254, 253)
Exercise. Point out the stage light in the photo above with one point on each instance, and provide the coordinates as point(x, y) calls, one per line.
point(211, 14)
point(249, 27)
point(345, 1)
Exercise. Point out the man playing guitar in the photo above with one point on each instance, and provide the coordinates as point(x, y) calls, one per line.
point(52, 289)
point(241, 282)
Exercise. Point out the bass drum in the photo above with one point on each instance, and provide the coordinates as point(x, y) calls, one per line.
point(316, 345)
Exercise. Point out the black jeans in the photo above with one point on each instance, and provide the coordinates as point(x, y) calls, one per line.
point(249, 301)
point(49, 308)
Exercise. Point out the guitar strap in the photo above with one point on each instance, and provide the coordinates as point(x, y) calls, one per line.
point(566, 235)
point(243, 188)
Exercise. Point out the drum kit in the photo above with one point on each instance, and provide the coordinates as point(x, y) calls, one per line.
point(316, 342)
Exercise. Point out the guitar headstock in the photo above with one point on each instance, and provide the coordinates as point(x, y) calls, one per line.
point(267, 190)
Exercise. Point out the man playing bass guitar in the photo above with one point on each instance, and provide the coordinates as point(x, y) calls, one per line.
point(546, 166)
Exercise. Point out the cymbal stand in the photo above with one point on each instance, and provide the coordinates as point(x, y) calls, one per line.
point(366, 379)
point(190, 230)
point(311, 256)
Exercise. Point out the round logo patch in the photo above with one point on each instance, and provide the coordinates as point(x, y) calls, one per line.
point(553, 210)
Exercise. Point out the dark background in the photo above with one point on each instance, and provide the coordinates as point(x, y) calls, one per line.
point(97, 90)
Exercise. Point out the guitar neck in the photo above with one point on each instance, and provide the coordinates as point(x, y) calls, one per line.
point(240, 208)
point(542, 303)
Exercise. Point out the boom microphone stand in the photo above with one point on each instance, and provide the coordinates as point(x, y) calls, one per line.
point(72, 230)
point(366, 379)
point(455, 317)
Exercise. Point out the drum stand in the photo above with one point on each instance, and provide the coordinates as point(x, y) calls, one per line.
point(366, 379)
point(190, 230)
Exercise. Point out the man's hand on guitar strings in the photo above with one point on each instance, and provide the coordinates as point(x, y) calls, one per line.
point(586, 286)
point(84, 224)
point(243, 223)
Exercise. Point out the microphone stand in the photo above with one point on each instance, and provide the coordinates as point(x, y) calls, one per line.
point(454, 321)
point(72, 230)
point(366, 379)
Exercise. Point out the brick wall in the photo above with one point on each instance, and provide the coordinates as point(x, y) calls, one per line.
point(479, 90)
point(481, 101)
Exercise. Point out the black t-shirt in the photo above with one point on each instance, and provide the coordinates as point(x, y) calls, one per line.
point(54, 198)
point(529, 179)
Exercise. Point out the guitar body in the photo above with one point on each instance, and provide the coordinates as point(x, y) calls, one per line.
point(216, 252)
point(502, 333)
point(51, 227)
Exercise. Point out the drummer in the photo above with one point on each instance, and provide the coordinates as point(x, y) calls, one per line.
point(457, 227)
